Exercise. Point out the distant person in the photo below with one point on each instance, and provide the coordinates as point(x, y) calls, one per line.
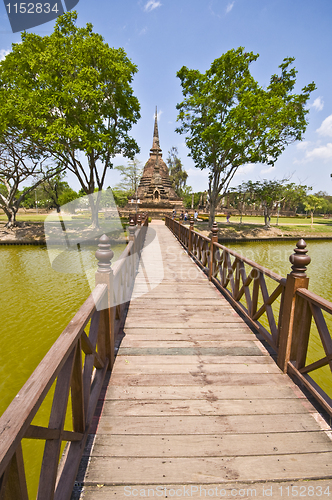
point(186, 216)
point(228, 216)
point(195, 216)
point(182, 215)
point(174, 213)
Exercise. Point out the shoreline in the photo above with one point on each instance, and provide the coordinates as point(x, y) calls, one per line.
point(32, 233)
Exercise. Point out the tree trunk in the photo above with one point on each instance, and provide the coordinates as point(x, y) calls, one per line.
point(11, 216)
point(212, 214)
point(94, 205)
point(267, 218)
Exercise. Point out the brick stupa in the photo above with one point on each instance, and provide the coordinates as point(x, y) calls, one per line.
point(155, 189)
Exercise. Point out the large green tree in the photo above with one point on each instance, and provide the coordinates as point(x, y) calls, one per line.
point(72, 94)
point(229, 120)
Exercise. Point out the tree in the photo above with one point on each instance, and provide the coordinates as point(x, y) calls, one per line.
point(20, 161)
point(295, 194)
point(72, 93)
point(177, 175)
point(312, 203)
point(130, 176)
point(230, 120)
point(268, 193)
point(58, 191)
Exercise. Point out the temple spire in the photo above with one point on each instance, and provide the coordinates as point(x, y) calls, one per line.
point(155, 150)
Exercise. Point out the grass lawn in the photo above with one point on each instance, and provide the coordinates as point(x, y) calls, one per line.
point(296, 228)
point(28, 217)
point(282, 220)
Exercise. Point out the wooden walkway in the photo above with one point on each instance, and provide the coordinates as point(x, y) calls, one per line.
point(195, 399)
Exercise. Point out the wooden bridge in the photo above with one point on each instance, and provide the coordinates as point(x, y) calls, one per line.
point(196, 403)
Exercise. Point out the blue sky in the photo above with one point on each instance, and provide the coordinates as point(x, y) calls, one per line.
point(160, 36)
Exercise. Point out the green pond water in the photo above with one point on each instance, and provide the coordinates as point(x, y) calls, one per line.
point(38, 301)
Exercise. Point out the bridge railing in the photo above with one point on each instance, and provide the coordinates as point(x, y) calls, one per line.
point(288, 316)
point(75, 365)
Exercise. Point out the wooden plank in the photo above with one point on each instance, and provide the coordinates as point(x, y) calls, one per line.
point(210, 469)
point(130, 368)
point(128, 342)
point(204, 360)
point(259, 491)
point(211, 329)
point(202, 380)
point(231, 334)
point(210, 446)
point(210, 393)
point(160, 302)
point(230, 350)
point(239, 424)
point(203, 407)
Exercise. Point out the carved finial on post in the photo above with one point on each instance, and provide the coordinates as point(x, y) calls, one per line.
point(214, 231)
point(300, 260)
point(132, 228)
point(104, 254)
point(139, 220)
point(104, 275)
point(191, 223)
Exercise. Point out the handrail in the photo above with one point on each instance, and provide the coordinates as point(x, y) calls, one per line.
point(63, 365)
point(289, 326)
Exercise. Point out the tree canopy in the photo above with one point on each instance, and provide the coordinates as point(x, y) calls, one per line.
point(230, 120)
point(71, 93)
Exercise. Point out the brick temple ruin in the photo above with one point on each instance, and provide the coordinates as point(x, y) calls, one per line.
point(155, 190)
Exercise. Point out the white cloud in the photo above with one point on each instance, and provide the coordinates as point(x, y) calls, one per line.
point(326, 127)
point(152, 4)
point(143, 31)
point(318, 104)
point(3, 54)
point(320, 153)
point(229, 7)
point(267, 170)
point(303, 145)
point(245, 169)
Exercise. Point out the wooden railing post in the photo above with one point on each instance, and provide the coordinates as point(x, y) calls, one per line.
point(214, 239)
point(291, 314)
point(104, 274)
point(191, 228)
point(139, 220)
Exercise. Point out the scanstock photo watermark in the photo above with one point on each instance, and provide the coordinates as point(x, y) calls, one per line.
point(208, 491)
point(25, 15)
